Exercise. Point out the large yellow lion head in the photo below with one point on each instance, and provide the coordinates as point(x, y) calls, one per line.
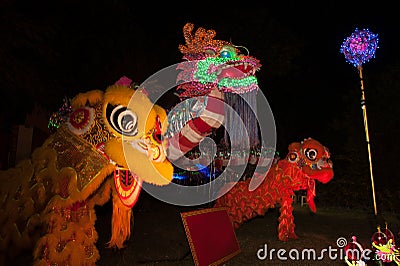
point(127, 128)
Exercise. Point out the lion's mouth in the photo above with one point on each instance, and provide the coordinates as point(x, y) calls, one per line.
point(153, 152)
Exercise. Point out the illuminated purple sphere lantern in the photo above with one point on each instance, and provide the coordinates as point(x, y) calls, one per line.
point(360, 47)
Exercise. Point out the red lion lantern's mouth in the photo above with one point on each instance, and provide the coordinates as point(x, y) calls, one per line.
point(324, 163)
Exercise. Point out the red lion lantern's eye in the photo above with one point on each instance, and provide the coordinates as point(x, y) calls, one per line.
point(311, 154)
point(293, 157)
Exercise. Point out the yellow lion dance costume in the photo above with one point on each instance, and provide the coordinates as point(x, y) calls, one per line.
point(47, 201)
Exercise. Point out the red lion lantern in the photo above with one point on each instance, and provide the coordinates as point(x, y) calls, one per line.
point(305, 162)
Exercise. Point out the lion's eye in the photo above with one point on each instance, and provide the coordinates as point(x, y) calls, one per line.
point(293, 157)
point(311, 154)
point(122, 120)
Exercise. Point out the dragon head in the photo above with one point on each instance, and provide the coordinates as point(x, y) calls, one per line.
point(214, 63)
point(312, 158)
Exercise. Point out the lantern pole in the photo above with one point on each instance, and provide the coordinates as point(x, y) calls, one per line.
point(358, 49)
point(364, 109)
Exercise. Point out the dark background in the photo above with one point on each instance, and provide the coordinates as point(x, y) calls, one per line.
point(55, 49)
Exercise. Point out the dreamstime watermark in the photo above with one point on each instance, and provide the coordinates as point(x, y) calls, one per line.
point(160, 84)
point(338, 252)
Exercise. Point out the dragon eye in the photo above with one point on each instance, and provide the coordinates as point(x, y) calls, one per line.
point(227, 52)
point(293, 157)
point(311, 154)
point(122, 120)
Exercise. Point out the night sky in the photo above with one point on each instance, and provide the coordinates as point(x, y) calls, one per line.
point(55, 49)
